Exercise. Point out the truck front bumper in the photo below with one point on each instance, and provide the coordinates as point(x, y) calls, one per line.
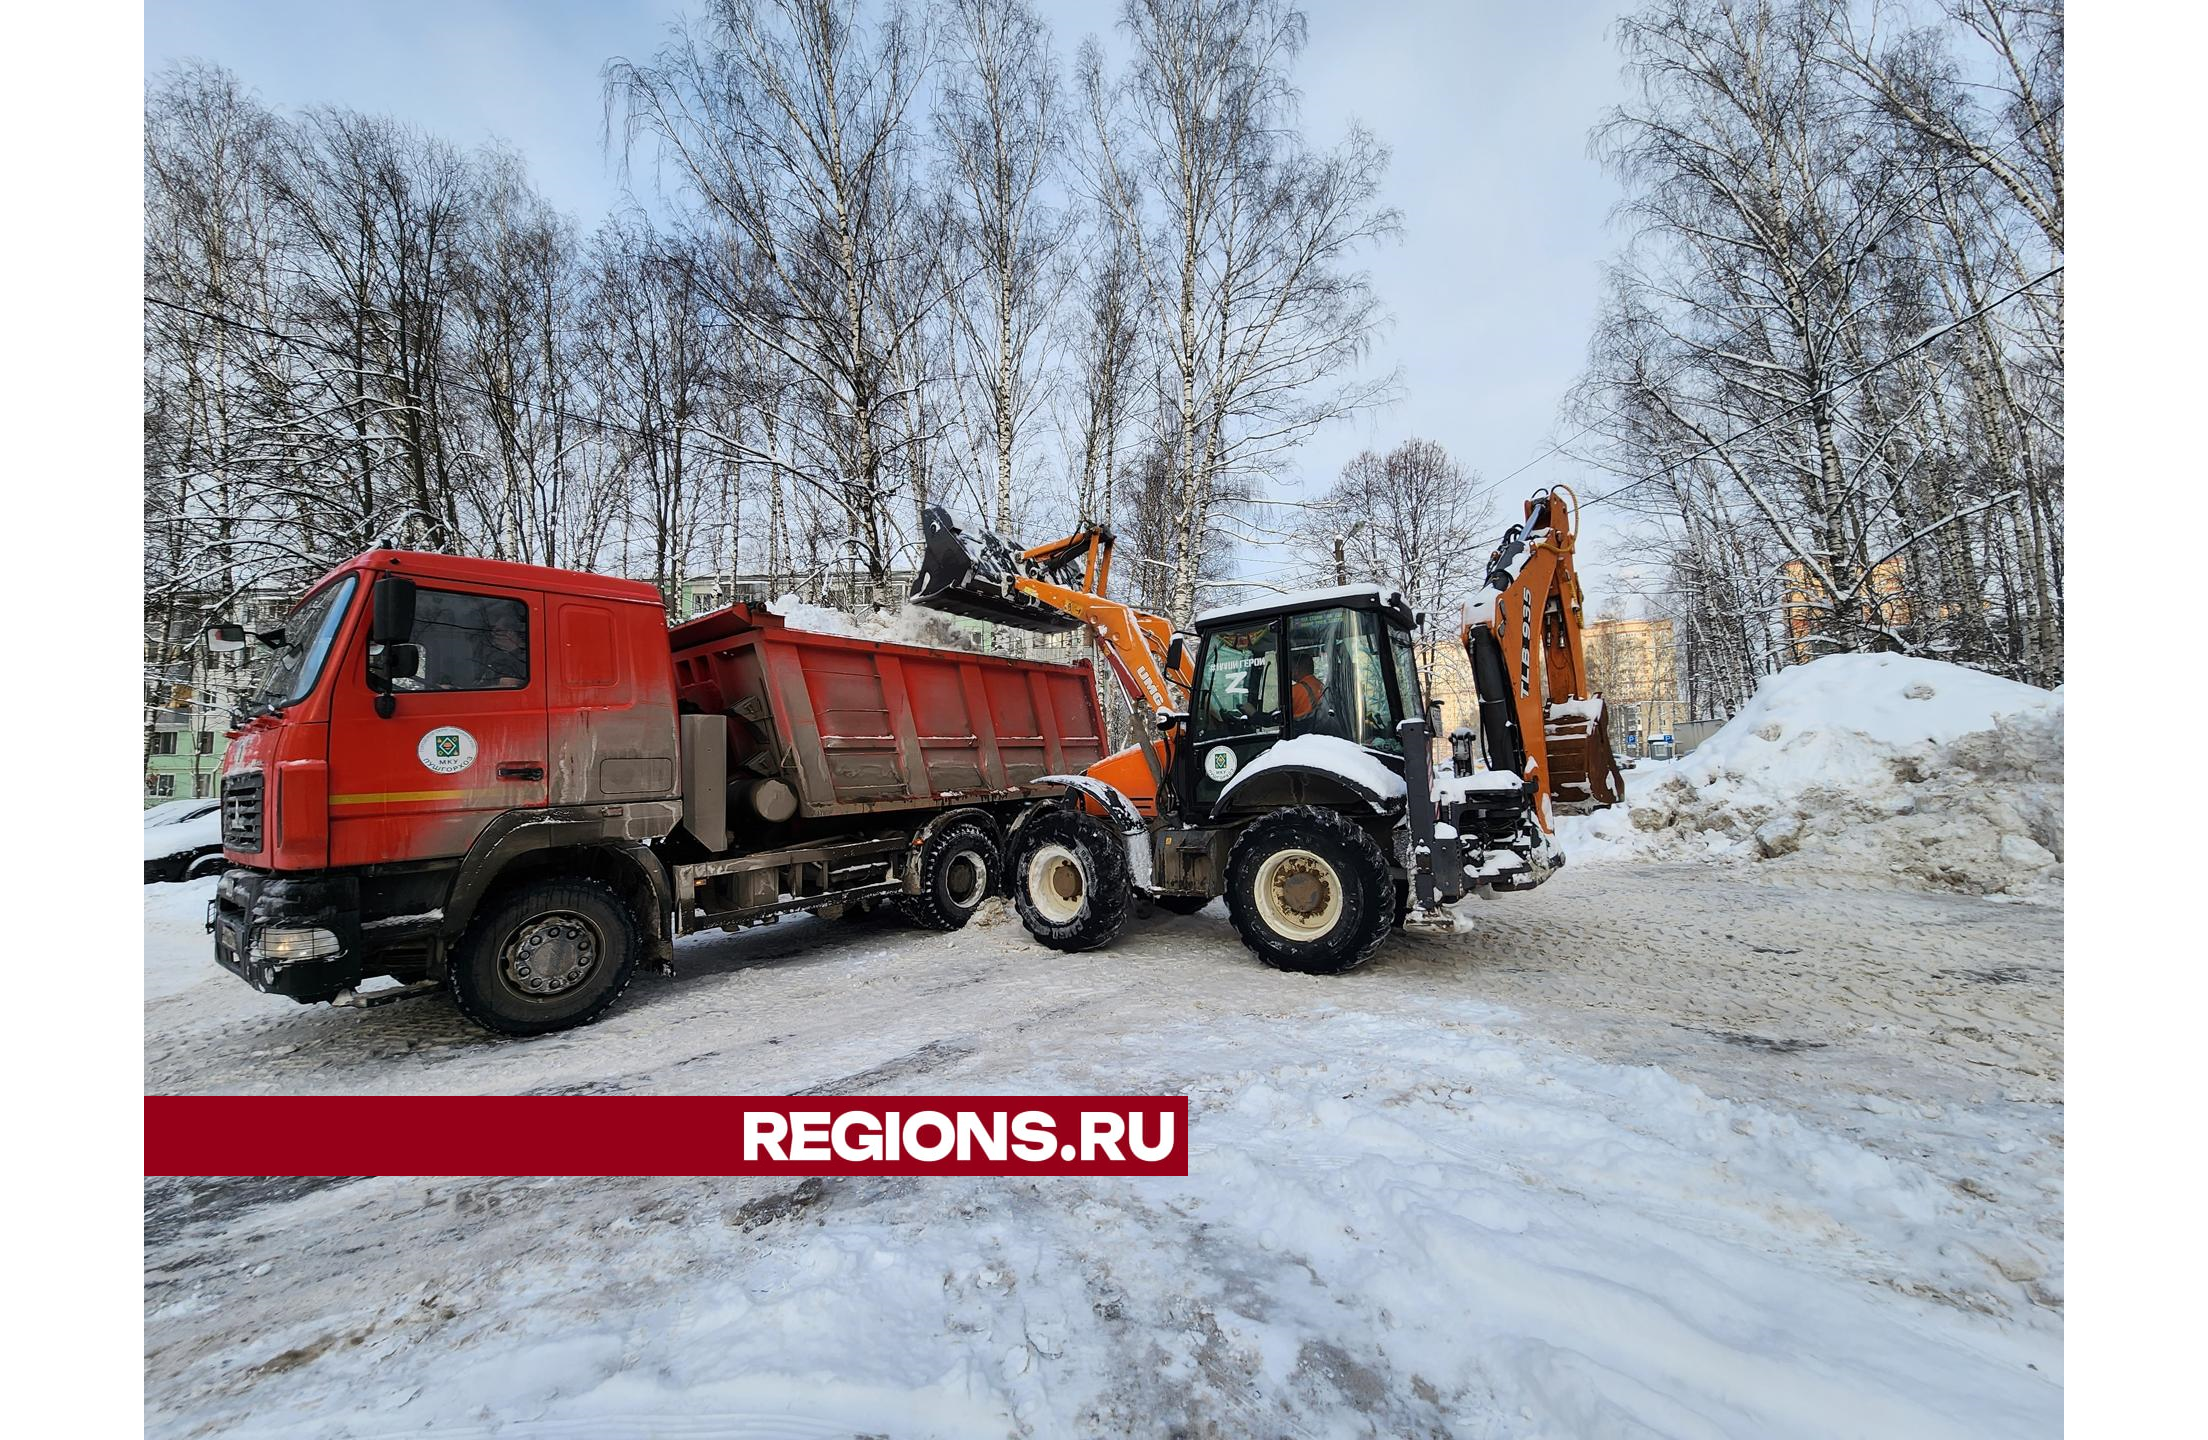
point(288, 935)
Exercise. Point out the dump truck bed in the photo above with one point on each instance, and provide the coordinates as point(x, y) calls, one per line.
point(858, 726)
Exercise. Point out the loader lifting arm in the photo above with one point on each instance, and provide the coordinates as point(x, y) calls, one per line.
point(1056, 586)
point(1539, 715)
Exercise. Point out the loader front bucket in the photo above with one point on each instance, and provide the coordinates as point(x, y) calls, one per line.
point(1583, 770)
point(975, 577)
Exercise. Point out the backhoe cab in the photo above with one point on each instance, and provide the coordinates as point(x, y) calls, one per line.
point(1291, 774)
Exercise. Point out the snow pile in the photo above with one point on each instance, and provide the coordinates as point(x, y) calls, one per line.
point(913, 625)
point(1870, 766)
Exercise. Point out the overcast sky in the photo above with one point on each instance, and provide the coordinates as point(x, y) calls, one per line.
point(1485, 104)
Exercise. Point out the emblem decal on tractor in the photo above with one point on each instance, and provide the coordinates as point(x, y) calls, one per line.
point(447, 750)
point(1219, 762)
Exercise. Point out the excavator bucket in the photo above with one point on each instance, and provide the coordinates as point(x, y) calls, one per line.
point(977, 577)
point(1583, 770)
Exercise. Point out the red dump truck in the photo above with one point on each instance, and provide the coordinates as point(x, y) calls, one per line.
point(517, 783)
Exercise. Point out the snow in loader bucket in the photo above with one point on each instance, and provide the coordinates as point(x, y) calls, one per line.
point(975, 578)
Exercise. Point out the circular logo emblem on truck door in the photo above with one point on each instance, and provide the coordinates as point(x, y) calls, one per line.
point(1219, 763)
point(447, 749)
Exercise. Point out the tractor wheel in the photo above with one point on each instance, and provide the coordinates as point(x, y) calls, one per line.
point(958, 867)
point(1070, 881)
point(550, 955)
point(1309, 891)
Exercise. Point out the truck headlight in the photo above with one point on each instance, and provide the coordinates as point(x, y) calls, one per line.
point(286, 947)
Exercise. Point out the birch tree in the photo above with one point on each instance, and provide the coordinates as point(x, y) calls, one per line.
point(999, 131)
point(1243, 241)
point(785, 121)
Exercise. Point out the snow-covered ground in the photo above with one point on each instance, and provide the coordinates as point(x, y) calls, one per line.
point(1711, 1135)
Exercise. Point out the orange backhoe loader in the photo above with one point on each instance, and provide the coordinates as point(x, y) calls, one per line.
point(1291, 771)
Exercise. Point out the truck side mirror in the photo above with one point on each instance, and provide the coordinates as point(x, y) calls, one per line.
point(393, 618)
point(225, 639)
point(389, 662)
point(1175, 649)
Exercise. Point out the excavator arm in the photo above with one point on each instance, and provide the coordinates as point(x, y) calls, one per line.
point(1539, 715)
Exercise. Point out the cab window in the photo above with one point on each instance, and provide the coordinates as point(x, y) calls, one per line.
point(1337, 679)
point(469, 642)
point(1239, 691)
point(1406, 670)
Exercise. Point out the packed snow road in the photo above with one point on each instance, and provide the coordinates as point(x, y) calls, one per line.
point(1665, 1149)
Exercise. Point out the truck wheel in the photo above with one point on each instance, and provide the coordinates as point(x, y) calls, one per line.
point(1309, 891)
point(1070, 881)
point(548, 956)
point(958, 868)
point(1180, 904)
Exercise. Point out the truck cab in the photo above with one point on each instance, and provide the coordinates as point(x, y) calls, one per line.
point(426, 723)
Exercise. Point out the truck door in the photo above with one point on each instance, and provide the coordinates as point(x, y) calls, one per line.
point(466, 739)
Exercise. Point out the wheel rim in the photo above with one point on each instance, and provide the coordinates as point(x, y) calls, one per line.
point(1056, 883)
point(550, 954)
point(1299, 895)
point(965, 878)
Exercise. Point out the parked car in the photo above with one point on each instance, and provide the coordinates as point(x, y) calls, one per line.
point(1625, 760)
point(170, 811)
point(184, 840)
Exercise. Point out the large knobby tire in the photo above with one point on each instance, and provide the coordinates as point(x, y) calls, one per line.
point(547, 955)
point(1309, 891)
point(1069, 880)
point(958, 869)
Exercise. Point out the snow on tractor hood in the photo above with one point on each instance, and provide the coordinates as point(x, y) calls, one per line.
point(1328, 755)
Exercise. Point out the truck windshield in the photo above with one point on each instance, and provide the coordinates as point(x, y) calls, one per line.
point(308, 636)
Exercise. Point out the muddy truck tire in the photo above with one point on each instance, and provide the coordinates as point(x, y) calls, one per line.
point(958, 869)
point(547, 955)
